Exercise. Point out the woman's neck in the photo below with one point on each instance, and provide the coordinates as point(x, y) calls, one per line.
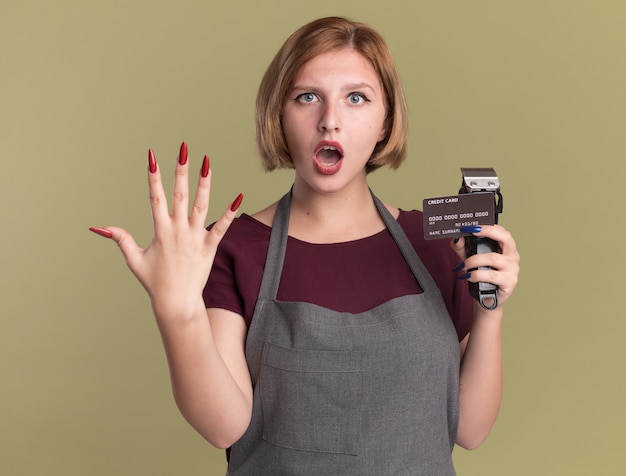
point(339, 217)
point(333, 217)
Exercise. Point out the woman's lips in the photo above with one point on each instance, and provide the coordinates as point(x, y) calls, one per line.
point(328, 157)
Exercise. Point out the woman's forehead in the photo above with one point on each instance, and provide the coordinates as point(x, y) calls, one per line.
point(346, 64)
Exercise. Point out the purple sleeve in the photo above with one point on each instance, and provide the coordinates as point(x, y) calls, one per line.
point(235, 278)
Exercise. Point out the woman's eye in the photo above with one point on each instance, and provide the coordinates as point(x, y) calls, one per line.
point(356, 98)
point(306, 97)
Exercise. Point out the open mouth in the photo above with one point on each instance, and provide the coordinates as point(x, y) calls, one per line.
point(328, 157)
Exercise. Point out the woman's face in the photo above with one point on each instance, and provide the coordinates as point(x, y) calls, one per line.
point(333, 118)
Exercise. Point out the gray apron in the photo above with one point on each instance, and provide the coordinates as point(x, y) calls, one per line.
point(373, 393)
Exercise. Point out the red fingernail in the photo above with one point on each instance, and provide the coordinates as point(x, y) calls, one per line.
point(205, 166)
point(152, 165)
point(101, 232)
point(183, 155)
point(236, 203)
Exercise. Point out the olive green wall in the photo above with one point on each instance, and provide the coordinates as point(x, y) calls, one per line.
point(536, 89)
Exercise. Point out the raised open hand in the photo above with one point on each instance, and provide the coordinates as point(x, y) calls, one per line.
point(175, 266)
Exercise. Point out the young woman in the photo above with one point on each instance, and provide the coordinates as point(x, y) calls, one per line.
point(330, 337)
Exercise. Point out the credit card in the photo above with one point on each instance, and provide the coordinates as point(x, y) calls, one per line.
point(444, 216)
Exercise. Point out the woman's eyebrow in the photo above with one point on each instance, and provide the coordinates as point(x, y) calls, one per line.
point(362, 85)
point(346, 87)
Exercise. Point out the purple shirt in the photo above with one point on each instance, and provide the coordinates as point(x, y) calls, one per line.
point(354, 276)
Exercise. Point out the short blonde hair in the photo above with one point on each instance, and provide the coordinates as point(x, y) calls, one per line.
point(317, 37)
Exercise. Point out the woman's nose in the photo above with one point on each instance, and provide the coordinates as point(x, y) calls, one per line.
point(330, 119)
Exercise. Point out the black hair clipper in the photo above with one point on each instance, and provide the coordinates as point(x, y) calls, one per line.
point(482, 180)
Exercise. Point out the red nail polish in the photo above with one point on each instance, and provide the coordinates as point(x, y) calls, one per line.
point(101, 232)
point(236, 203)
point(183, 154)
point(205, 166)
point(152, 165)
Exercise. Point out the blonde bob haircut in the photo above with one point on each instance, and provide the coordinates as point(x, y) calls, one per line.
point(321, 36)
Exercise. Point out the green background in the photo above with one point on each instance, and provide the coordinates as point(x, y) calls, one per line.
point(535, 89)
